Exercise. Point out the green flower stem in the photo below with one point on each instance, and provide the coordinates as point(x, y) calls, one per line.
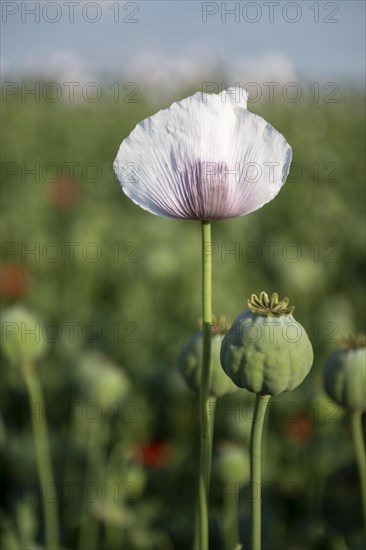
point(195, 545)
point(89, 526)
point(211, 407)
point(230, 524)
point(97, 437)
point(115, 533)
point(43, 456)
point(260, 407)
point(211, 419)
point(206, 438)
point(356, 420)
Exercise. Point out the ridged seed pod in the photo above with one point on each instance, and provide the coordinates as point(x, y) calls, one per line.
point(345, 375)
point(266, 350)
point(190, 362)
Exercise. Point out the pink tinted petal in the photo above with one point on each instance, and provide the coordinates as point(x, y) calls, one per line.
point(205, 157)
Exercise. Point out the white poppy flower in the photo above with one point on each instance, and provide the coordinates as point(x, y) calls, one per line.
point(204, 158)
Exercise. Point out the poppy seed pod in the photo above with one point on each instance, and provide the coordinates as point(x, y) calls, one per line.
point(345, 375)
point(266, 350)
point(101, 380)
point(231, 465)
point(190, 363)
point(22, 336)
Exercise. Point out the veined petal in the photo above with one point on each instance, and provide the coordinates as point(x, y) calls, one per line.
point(205, 157)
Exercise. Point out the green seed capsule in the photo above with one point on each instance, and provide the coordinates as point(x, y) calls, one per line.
point(190, 366)
point(231, 465)
point(266, 350)
point(345, 376)
point(22, 337)
point(101, 380)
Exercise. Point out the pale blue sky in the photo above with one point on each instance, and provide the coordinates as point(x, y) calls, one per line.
point(328, 50)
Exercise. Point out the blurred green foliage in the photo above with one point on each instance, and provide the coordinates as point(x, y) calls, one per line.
point(119, 293)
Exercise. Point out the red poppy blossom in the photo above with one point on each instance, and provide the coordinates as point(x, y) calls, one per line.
point(154, 454)
point(63, 193)
point(14, 280)
point(301, 429)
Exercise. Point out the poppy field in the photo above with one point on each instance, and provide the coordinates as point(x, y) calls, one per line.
point(98, 300)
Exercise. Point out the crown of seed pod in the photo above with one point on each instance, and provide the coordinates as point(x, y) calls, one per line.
point(190, 361)
point(266, 350)
point(345, 374)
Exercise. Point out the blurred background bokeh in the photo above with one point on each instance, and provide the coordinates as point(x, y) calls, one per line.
point(116, 291)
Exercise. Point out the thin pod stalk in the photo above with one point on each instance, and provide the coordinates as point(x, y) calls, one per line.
point(356, 421)
point(260, 408)
point(43, 457)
